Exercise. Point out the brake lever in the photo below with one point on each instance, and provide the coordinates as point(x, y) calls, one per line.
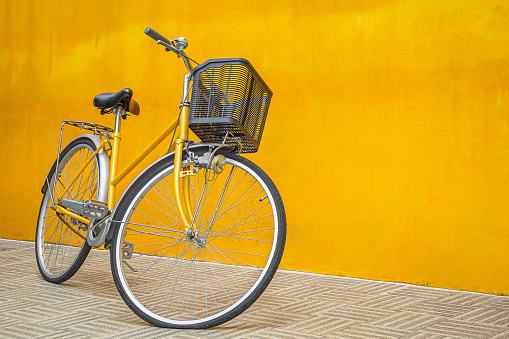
point(179, 54)
point(168, 47)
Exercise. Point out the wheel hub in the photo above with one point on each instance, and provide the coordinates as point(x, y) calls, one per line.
point(199, 240)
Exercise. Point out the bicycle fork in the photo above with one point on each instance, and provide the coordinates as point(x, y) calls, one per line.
point(182, 196)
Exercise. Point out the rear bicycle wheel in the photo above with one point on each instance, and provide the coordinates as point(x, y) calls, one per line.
point(173, 279)
point(60, 242)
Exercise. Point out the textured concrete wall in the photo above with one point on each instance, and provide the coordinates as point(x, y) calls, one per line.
point(387, 134)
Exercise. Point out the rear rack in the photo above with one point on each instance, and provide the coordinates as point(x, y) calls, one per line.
point(90, 126)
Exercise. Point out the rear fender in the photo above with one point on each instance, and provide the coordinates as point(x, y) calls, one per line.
point(104, 169)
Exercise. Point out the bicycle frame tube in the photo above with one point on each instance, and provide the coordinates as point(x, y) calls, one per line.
point(182, 132)
point(62, 210)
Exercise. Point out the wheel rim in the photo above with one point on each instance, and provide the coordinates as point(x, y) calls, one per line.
point(183, 281)
point(58, 247)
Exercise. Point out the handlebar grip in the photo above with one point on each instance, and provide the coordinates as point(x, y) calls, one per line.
point(156, 36)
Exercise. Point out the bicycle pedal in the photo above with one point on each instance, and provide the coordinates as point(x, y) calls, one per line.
point(94, 209)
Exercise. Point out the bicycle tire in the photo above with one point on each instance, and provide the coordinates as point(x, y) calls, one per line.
point(59, 266)
point(132, 276)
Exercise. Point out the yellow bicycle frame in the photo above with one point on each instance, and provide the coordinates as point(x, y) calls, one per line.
point(181, 135)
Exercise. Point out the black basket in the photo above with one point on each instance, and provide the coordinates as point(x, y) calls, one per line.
point(229, 97)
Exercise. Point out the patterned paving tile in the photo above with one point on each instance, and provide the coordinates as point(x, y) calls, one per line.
point(464, 329)
point(68, 320)
point(375, 288)
point(388, 302)
point(37, 312)
point(146, 332)
point(25, 330)
point(436, 308)
point(102, 327)
point(500, 302)
point(337, 282)
point(306, 306)
point(270, 300)
point(341, 297)
point(8, 306)
point(6, 321)
point(63, 334)
point(471, 300)
point(418, 292)
point(501, 335)
point(370, 331)
point(359, 313)
point(270, 318)
point(425, 335)
point(232, 330)
point(487, 315)
point(407, 321)
point(322, 325)
point(283, 334)
point(295, 305)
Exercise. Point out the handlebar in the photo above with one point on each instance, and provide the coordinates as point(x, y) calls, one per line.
point(176, 46)
point(156, 36)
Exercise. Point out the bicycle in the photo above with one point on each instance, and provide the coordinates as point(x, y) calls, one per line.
point(189, 248)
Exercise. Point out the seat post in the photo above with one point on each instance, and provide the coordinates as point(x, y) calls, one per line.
point(119, 112)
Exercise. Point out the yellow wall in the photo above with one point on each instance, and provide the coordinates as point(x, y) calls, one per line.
point(405, 175)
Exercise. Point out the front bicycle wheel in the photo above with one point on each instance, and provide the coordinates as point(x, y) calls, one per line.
point(171, 278)
point(60, 242)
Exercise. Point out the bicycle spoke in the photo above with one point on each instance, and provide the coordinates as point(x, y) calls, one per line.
point(148, 226)
point(223, 232)
point(220, 200)
point(156, 250)
point(220, 281)
point(155, 190)
point(231, 206)
point(86, 187)
point(149, 266)
point(81, 177)
point(260, 230)
point(229, 256)
point(204, 253)
point(258, 255)
point(187, 285)
point(159, 234)
point(202, 202)
point(232, 236)
point(176, 281)
point(171, 268)
point(238, 223)
point(171, 196)
point(232, 263)
point(160, 223)
point(161, 280)
point(51, 237)
point(180, 255)
point(162, 211)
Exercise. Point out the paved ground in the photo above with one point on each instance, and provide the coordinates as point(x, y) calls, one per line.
point(296, 305)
